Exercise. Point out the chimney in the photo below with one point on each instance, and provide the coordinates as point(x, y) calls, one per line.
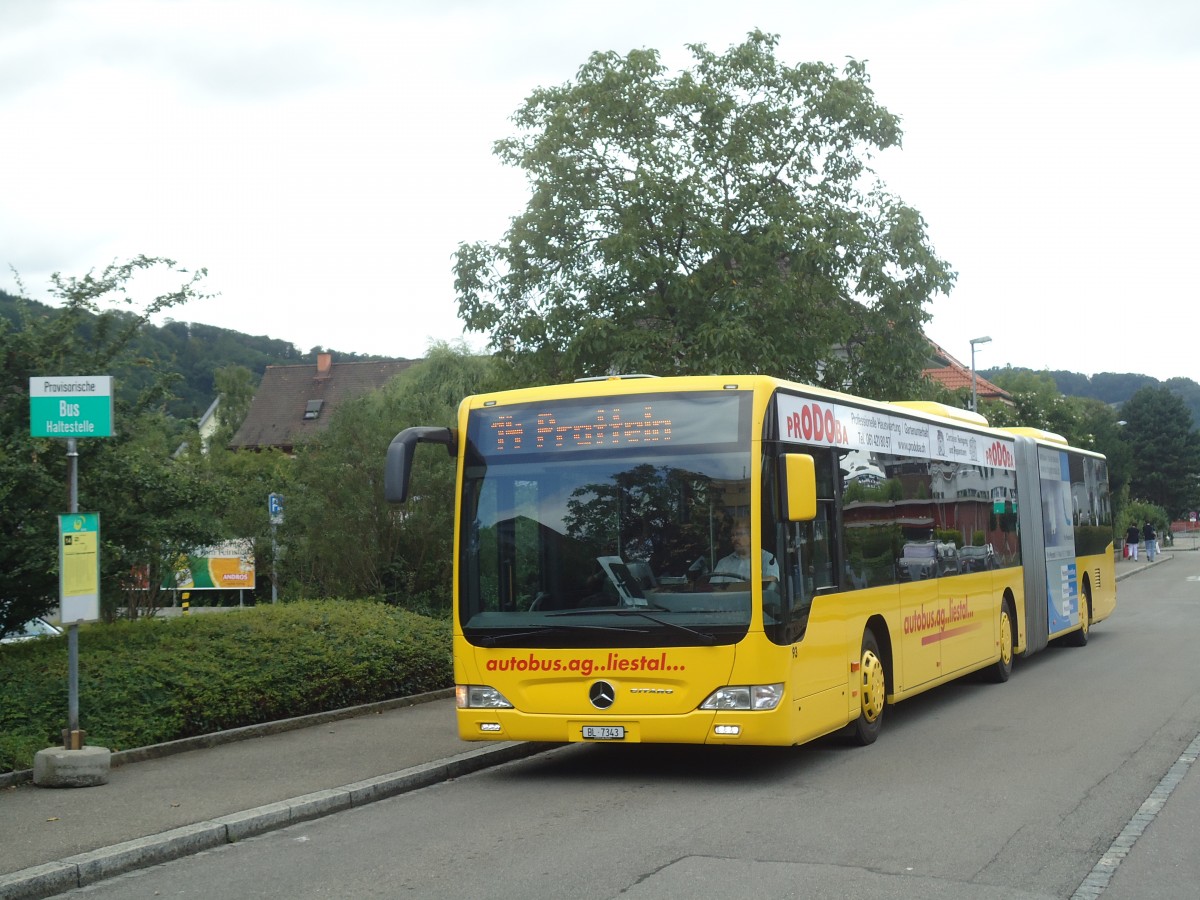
point(324, 364)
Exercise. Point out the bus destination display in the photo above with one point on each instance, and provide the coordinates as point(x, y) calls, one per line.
point(634, 422)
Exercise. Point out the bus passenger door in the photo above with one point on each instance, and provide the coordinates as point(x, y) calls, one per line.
point(813, 615)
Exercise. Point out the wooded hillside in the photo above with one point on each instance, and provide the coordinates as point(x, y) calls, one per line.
point(1115, 388)
point(196, 352)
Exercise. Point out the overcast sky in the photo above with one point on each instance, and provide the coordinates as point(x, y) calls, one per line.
point(324, 158)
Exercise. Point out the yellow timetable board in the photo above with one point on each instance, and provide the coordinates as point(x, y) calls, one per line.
point(79, 566)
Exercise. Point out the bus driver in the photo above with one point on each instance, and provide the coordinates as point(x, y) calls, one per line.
point(736, 566)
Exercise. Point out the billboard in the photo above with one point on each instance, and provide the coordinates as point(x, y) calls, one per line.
point(224, 566)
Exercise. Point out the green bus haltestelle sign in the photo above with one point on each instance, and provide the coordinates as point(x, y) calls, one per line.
point(71, 406)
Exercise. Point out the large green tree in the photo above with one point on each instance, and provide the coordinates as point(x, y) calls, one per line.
point(721, 219)
point(1166, 456)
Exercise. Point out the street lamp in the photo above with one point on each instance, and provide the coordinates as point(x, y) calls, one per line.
point(974, 341)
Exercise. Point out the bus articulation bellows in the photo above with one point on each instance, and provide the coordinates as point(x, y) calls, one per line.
point(742, 560)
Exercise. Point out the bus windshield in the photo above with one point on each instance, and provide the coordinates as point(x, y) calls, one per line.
point(623, 541)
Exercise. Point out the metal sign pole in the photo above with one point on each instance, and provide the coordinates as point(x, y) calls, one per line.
point(275, 512)
point(72, 737)
point(72, 476)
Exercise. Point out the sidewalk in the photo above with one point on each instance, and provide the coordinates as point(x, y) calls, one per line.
point(157, 809)
point(1154, 857)
point(174, 800)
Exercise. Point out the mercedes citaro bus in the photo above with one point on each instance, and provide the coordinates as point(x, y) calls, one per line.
point(743, 560)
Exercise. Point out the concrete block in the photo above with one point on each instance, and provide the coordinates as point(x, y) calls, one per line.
point(319, 803)
point(261, 819)
point(379, 788)
point(85, 767)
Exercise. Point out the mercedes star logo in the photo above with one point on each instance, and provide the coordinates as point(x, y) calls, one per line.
point(602, 695)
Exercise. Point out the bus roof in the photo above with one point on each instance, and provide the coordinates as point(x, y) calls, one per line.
point(637, 383)
point(1037, 434)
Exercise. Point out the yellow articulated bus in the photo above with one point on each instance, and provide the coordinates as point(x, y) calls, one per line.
point(743, 560)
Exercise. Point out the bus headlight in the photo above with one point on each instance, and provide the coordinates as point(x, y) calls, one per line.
point(745, 696)
point(479, 696)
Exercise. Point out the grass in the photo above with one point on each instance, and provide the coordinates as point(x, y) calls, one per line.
point(148, 681)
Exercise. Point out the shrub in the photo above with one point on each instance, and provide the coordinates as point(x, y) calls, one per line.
point(153, 680)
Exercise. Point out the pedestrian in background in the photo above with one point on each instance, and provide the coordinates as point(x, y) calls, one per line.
point(1132, 536)
point(1150, 536)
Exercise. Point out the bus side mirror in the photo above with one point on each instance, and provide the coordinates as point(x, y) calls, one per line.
point(798, 473)
point(398, 468)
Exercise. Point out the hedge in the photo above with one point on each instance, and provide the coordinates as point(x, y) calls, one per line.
point(153, 680)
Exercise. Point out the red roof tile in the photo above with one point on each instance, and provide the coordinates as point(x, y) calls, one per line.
point(955, 379)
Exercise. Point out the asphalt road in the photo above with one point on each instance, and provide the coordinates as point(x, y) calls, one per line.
point(973, 791)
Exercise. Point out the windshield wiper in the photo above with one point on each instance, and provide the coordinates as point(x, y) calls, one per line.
point(633, 611)
point(493, 640)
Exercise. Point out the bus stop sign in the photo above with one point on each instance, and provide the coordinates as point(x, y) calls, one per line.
point(72, 406)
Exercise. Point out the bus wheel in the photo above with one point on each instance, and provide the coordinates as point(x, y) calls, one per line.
point(999, 671)
point(873, 691)
point(1080, 638)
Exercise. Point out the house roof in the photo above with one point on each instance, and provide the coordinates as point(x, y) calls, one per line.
point(954, 379)
point(293, 403)
point(954, 376)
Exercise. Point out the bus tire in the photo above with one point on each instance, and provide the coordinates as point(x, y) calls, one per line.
point(999, 671)
point(1080, 638)
point(872, 692)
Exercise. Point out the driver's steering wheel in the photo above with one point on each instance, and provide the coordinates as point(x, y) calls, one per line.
point(705, 581)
